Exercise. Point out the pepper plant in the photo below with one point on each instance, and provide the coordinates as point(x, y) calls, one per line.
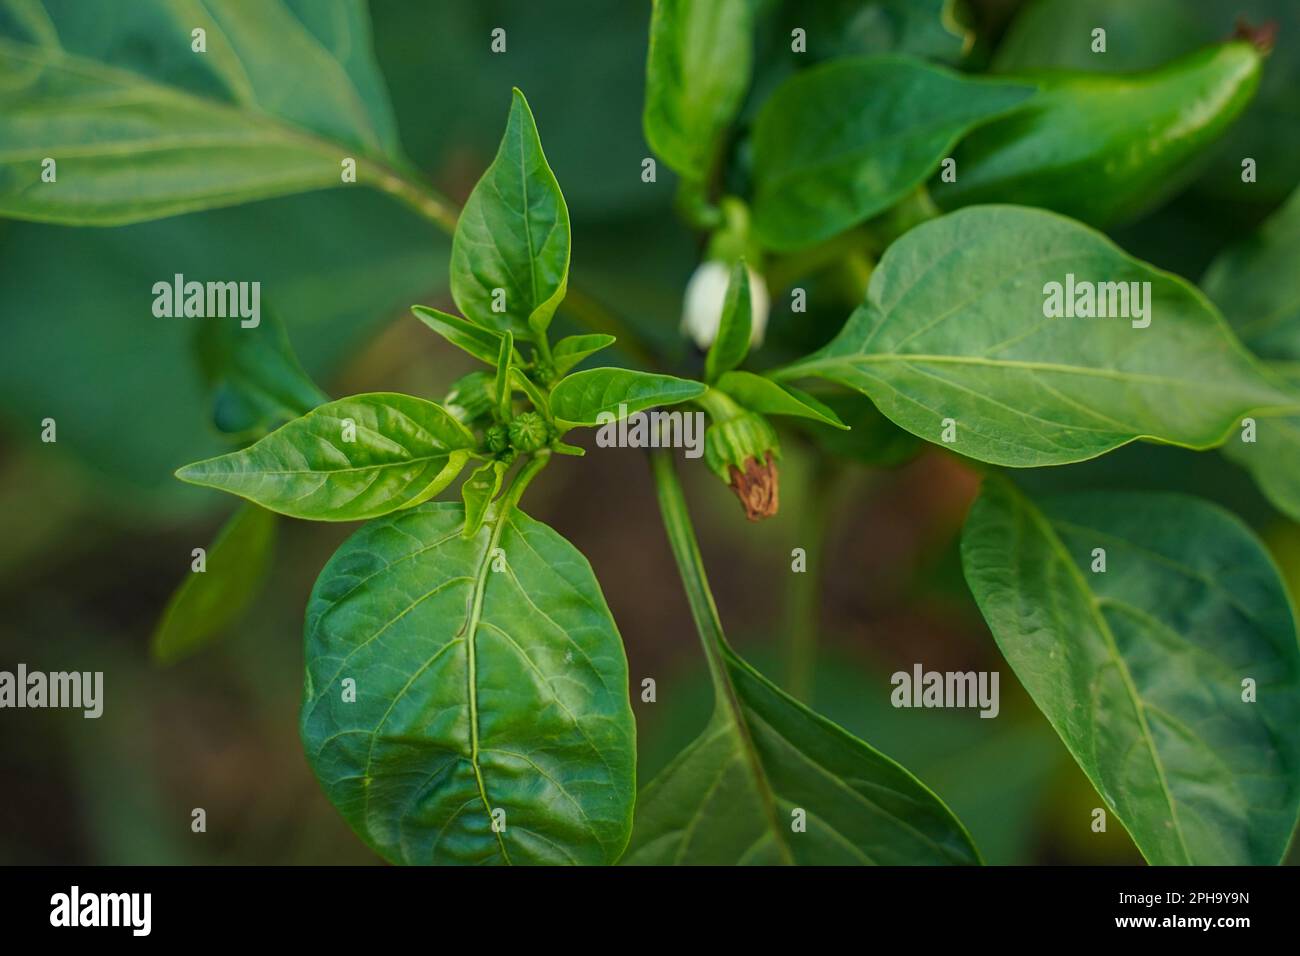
point(466, 693)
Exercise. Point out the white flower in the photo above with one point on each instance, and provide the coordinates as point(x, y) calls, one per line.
point(705, 294)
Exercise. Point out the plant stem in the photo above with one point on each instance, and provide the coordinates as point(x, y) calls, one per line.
point(802, 620)
point(423, 199)
point(523, 477)
point(690, 565)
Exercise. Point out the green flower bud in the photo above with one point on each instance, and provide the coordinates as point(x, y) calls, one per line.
point(498, 440)
point(529, 432)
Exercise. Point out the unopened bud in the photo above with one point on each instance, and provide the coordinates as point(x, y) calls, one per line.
point(705, 295)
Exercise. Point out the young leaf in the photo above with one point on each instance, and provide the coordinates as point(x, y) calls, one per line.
point(490, 688)
point(841, 142)
point(760, 394)
point(283, 92)
point(769, 781)
point(953, 338)
point(510, 254)
point(581, 398)
point(503, 387)
point(478, 491)
point(572, 349)
point(258, 380)
point(208, 603)
point(697, 71)
point(347, 460)
point(482, 343)
point(732, 343)
point(1156, 635)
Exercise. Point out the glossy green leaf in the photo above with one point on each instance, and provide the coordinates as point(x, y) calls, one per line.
point(697, 71)
point(510, 254)
point(953, 330)
point(258, 381)
point(484, 344)
point(477, 493)
point(1140, 668)
point(486, 680)
point(584, 396)
point(285, 92)
point(731, 344)
point(572, 349)
point(209, 602)
point(761, 394)
point(843, 141)
point(347, 460)
point(1257, 285)
point(1273, 459)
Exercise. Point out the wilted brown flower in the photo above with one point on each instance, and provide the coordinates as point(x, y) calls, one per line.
point(758, 487)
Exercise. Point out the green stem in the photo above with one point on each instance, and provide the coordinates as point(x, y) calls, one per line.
point(690, 565)
point(803, 619)
point(522, 479)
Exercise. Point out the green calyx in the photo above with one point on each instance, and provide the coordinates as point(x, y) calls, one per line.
point(731, 443)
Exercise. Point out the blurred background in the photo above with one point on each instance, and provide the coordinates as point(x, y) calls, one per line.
point(96, 533)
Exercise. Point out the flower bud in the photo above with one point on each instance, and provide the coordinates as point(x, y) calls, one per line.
point(705, 294)
point(498, 440)
point(743, 451)
point(529, 432)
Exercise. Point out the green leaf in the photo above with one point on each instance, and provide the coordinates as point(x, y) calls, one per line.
point(760, 394)
point(1140, 668)
point(731, 345)
point(483, 344)
point(697, 71)
point(583, 397)
point(258, 381)
point(572, 349)
point(285, 91)
point(513, 236)
point(210, 601)
point(1257, 285)
point(347, 460)
point(729, 798)
point(478, 491)
point(734, 795)
point(502, 381)
point(926, 28)
point(843, 141)
point(477, 689)
point(953, 330)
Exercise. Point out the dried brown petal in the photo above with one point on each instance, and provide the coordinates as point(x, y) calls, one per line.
point(757, 487)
